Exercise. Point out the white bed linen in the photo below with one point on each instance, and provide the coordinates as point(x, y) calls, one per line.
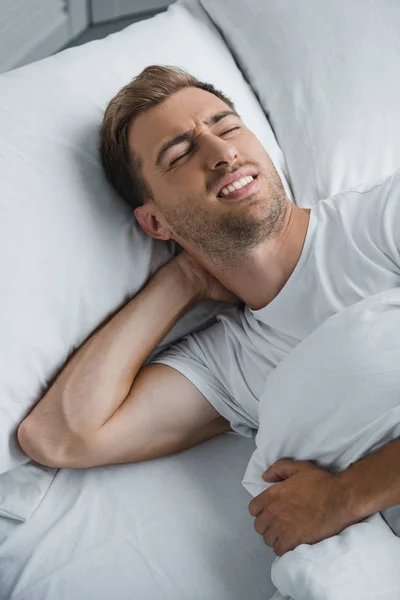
point(333, 400)
point(362, 563)
point(326, 73)
point(174, 528)
point(71, 252)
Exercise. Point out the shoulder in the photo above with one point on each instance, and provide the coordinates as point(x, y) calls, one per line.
point(363, 205)
point(365, 193)
point(367, 216)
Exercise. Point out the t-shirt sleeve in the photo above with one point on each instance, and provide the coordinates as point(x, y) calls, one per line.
point(371, 216)
point(200, 357)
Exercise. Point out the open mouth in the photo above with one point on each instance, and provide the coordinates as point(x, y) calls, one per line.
point(239, 189)
point(237, 185)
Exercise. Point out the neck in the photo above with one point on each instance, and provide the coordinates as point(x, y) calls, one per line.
point(260, 278)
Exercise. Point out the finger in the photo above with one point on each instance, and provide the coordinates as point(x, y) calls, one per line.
point(281, 469)
point(256, 506)
point(270, 536)
point(271, 476)
point(281, 547)
point(264, 520)
point(261, 524)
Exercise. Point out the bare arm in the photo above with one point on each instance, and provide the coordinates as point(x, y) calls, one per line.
point(372, 483)
point(103, 408)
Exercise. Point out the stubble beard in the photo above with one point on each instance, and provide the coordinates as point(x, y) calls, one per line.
point(228, 240)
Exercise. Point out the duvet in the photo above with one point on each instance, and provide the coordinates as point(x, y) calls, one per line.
point(334, 400)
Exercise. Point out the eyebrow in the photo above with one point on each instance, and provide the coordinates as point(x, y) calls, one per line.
point(188, 135)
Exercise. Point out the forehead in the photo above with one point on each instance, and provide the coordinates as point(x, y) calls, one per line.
point(179, 113)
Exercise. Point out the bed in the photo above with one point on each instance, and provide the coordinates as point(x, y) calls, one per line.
point(315, 83)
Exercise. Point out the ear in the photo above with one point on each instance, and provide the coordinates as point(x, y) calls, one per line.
point(150, 222)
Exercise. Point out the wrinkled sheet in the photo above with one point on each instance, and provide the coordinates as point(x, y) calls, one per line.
point(174, 528)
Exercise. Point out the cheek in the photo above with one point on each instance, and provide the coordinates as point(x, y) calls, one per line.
point(251, 148)
point(259, 150)
point(262, 157)
point(166, 192)
point(189, 185)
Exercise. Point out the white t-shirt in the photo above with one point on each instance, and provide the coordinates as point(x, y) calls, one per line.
point(351, 251)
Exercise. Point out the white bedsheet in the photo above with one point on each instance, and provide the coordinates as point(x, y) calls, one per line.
point(175, 528)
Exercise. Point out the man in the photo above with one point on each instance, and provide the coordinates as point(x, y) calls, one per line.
point(178, 152)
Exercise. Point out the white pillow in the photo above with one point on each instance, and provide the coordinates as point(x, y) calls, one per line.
point(335, 397)
point(326, 74)
point(333, 400)
point(71, 252)
point(362, 562)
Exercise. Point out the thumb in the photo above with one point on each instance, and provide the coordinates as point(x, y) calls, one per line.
point(280, 470)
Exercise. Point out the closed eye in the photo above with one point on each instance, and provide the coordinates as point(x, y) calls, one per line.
point(171, 164)
point(229, 130)
point(175, 160)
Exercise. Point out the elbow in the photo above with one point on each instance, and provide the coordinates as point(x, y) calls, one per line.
point(33, 444)
point(50, 451)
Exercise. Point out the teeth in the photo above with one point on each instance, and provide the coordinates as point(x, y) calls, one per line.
point(237, 185)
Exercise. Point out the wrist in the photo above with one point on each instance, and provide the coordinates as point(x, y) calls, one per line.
point(353, 508)
point(177, 277)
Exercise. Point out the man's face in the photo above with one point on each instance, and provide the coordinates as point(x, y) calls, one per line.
point(189, 145)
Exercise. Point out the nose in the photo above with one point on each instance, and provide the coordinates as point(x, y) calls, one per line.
point(217, 153)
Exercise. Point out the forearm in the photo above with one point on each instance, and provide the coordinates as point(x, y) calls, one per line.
point(98, 378)
point(372, 484)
